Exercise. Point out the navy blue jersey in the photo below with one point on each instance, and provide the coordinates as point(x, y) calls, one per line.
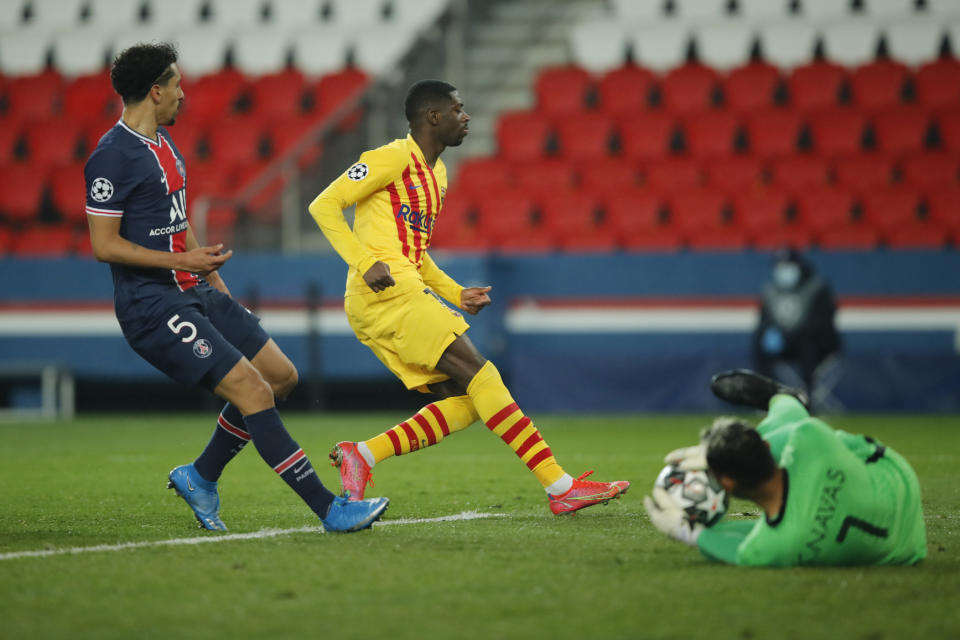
point(142, 181)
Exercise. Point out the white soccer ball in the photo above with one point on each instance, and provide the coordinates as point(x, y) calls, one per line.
point(698, 493)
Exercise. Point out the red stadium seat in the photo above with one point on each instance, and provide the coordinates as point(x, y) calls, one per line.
point(878, 84)
point(711, 134)
point(800, 172)
point(760, 210)
point(52, 142)
point(889, 208)
point(522, 135)
point(736, 174)
point(639, 219)
point(212, 97)
point(277, 95)
point(838, 131)
point(751, 88)
point(336, 89)
point(609, 175)
point(573, 220)
point(948, 124)
point(689, 89)
point(824, 208)
point(45, 240)
point(264, 203)
point(717, 239)
point(816, 85)
point(221, 223)
point(697, 209)
point(773, 132)
point(21, 192)
point(82, 244)
point(68, 192)
point(674, 174)
point(931, 170)
point(91, 97)
point(236, 140)
point(625, 91)
point(506, 214)
point(476, 176)
point(937, 83)
point(942, 208)
point(456, 228)
point(901, 129)
point(562, 90)
point(191, 140)
point(863, 172)
point(544, 176)
point(916, 235)
point(849, 237)
point(9, 138)
point(647, 135)
point(32, 97)
point(210, 180)
point(284, 133)
point(793, 236)
point(585, 136)
point(6, 240)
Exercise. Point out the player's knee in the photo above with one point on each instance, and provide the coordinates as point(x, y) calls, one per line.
point(285, 385)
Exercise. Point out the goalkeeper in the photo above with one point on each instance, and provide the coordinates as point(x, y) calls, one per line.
point(829, 498)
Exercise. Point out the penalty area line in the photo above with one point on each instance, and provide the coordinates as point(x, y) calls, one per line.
point(230, 537)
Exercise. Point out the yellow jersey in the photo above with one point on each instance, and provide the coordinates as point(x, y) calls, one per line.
point(398, 197)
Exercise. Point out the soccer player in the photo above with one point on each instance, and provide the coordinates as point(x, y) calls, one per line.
point(393, 303)
point(174, 308)
point(827, 497)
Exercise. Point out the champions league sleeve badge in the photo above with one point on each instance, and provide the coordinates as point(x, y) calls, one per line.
point(358, 172)
point(101, 190)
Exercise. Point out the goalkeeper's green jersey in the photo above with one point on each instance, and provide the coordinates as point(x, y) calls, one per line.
point(849, 500)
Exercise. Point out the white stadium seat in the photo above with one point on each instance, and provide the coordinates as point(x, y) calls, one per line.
point(725, 44)
point(261, 50)
point(24, 52)
point(202, 51)
point(764, 10)
point(114, 14)
point(851, 42)
point(662, 46)
point(788, 44)
point(419, 13)
point(944, 7)
point(236, 14)
point(889, 8)
point(915, 41)
point(167, 14)
point(700, 10)
point(295, 13)
point(599, 45)
point(130, 37)
point(825, 9)
point(953, 32)
point(320, 50)
point(79, 52)
point(637, 10)
point(55, 14)
point(356, 14)
point(378, 49)
point(11, 14)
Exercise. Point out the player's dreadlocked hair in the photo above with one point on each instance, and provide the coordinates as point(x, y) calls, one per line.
point(735, 449)
point(140, 67)
point(425, 95)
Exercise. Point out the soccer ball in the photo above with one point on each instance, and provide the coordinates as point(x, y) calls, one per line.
point(698, 493)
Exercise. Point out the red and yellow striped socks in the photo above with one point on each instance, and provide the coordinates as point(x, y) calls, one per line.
point(501, 414)
point(425, 428)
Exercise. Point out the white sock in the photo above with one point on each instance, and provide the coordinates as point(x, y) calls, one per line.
point(366, 453)
point(561, 486)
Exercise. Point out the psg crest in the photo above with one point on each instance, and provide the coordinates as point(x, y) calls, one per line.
point(202, 348)
point(358, 171)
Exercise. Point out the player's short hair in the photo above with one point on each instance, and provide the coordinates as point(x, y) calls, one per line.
point(735, 449)
point(426, 95)
point(141, 66)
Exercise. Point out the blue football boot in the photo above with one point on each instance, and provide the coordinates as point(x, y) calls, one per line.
point(200, 494)
point(353, 515)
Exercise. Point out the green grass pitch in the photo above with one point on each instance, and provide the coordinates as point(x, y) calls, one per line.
point(605, 573)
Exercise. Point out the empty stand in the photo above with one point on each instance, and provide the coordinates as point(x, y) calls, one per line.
point(261, 50)
point(736, 174)
point(598, 45)
point(937, 84)
point(927, 171)
point(915, 41)
point(562, 90)
point(689, 89)
point(585, 136)
point(625, 91)
point(543, 177)
point(824, 208)
point(817, 85)
point(320, 50)
point(773, 132)
point(796, 173)
point(646, 135)
point(901, 129)
point(522, 135)
point(788, 44)
point(277, 95)
point(850, 42)
point(711, 134)
point(752, 87)
point(725, 45)
point(887, 209)
point(478, 175)
point(21, 192)
point(878, 84)
point(863, 172)
point(608, 175)
point(838, 131)
point(661, 46)
point(674, 174)
point(44, 241)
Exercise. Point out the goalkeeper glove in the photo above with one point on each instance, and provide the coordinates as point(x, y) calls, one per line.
point(689, 458)
point(667, 516)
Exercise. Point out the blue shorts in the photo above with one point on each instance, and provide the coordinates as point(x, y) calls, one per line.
point(195, 336)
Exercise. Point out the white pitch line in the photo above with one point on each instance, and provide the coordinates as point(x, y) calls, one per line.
point(230, 537)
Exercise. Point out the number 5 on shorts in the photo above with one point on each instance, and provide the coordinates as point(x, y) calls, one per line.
point(178, 327)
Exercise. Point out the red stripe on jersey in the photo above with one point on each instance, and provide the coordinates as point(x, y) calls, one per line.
point(229, 428)
point(501, 415)
point(395, 441)
point(414, 195)
point(411, 436)
point(428, 214)
point(289, 462)
point(168, 163)
point(515, 430)
point(401, 225)
point(540, 457)
point(441, 419)
point(427, 429)
point(436, 190)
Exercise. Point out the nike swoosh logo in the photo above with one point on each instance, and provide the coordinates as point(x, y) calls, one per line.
point(414, 187)
point(189, 486)
point(300, 468)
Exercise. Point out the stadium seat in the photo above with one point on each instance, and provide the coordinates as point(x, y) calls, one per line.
point(799, 172)
point(763, 11)
point(296, 13)
point(21, 192)
point(838, 131)
point(931, 170)
point(208, 180)
point(457, 227)
point(736, 174)
point(417, 15)
point(697, 209)
point(32, 97)
point(889, 208)
point(850, 43)
point(11, 15)
point(220, 224)
point(544, 176)
point(948, 126)
point(235, 15)
point(174, 14)
point(625, 91)
point(598, 45)
point(56, 15)
point(700, 10)
point(24, 52)
point(878, 84)
point(824, 208)
point(863, 172)
point(689, 89)
point(914, 40)
point(640, 220)
point(717, 239)
point(9, 139)
point(774, 132)
point(211, 97)
point(52, 142)
point(81, 51)
point(889, 8)
point(283, 134)
point(788, 44)
point(793, 237)
point(637, 10)
point(751, 88)
point(506, 214)
point(236, 140)
point(608, 176)
point(320, 50)
point(816, 85)
point(335, 90)
point(44, 240)
point(277, 95)
point(647, 135)
point(572, 217)
point(6, 240)
point(378, 48)
point(203, 51)
point(585, 136)
point(674, 174)
point(849, 237)
point(760, 210)
point(942, 208)
point(259, 51)
point(711, 134)
point(476, 176)
point(916, 235)
point(562, 91)
point(522, 135)
point(91, 96)
point(724, 45)
point(114, 14)
point(824, 9)
point(68, 192)
point(660, 46)
point(937, 83)
point(354, 14)
point(901, 129)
